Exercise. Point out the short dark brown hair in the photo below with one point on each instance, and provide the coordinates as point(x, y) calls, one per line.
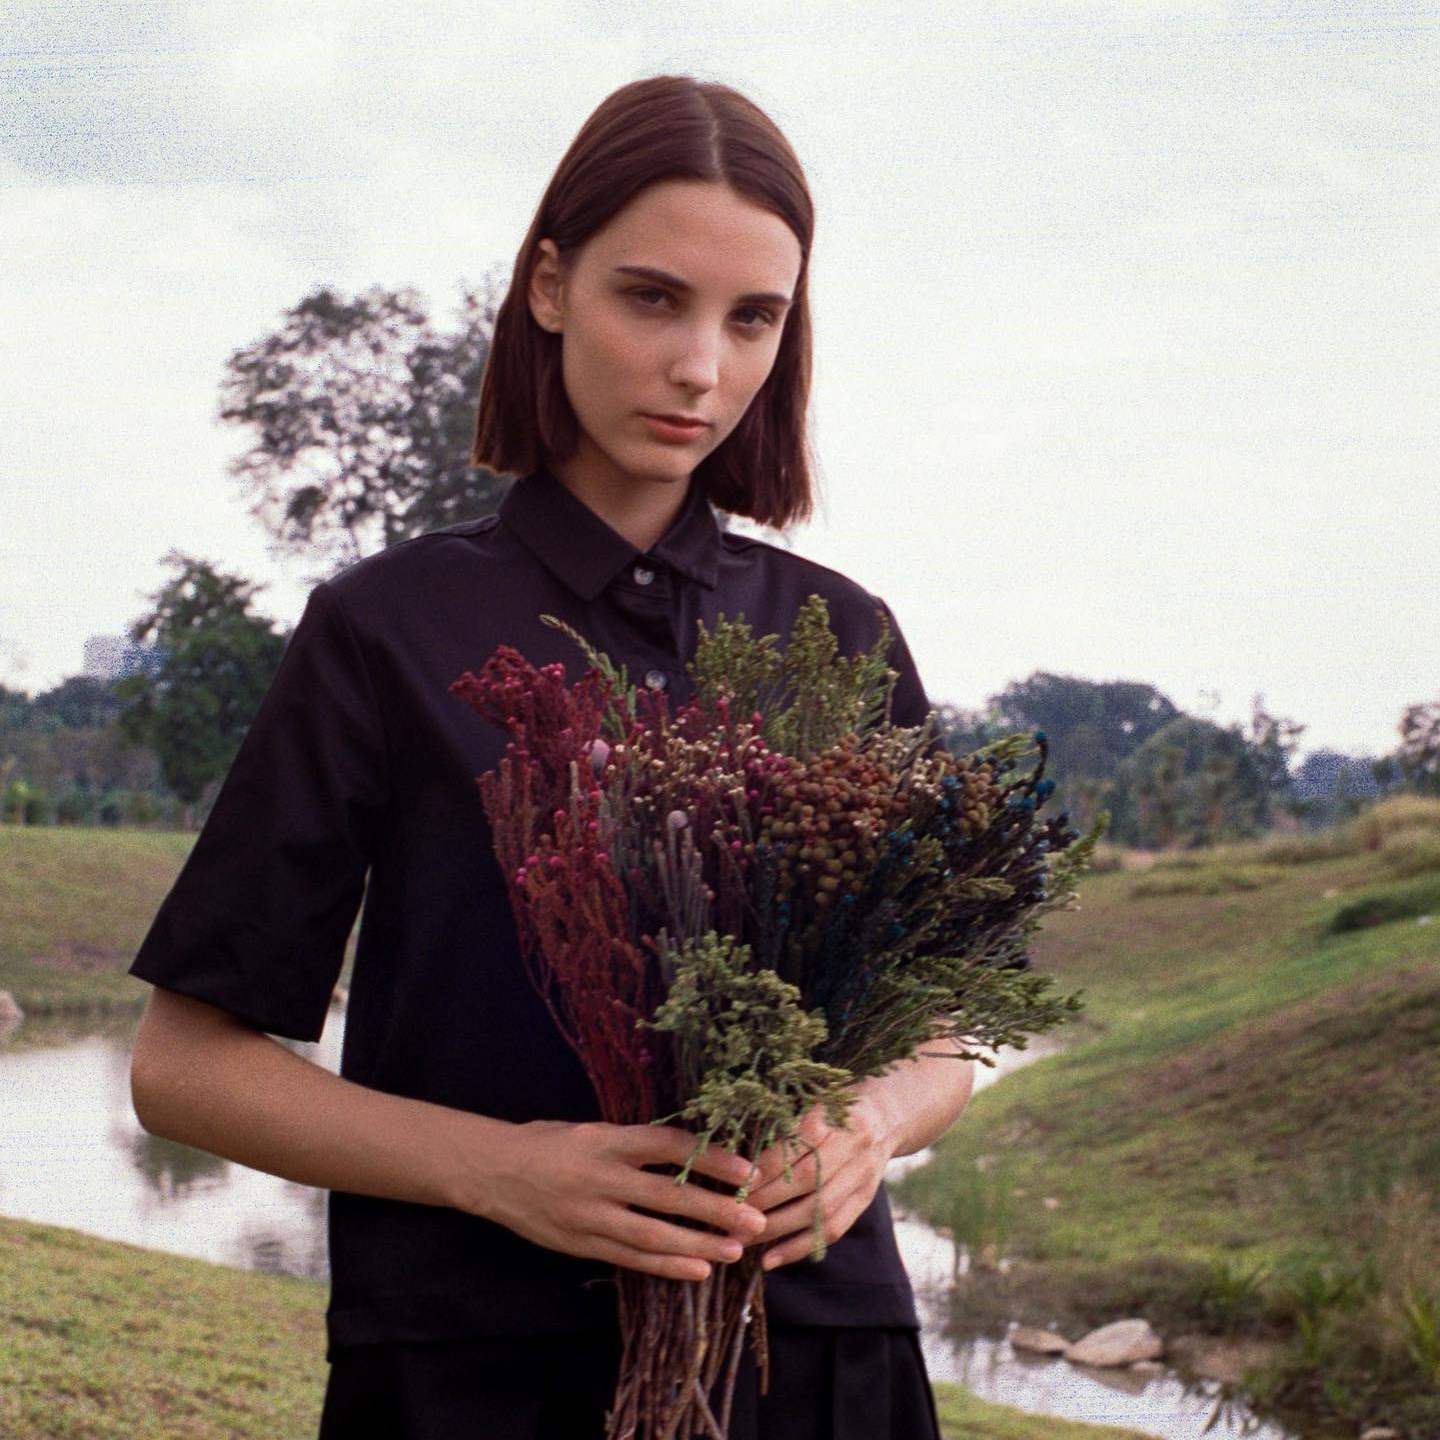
point(667, 127)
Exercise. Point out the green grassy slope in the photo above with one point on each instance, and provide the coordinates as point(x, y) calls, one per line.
point(74, 906)
point(1242, 1052)
point(1244, 1132)
point(100, 1341)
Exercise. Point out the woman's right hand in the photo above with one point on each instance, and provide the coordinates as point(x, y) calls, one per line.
point(205, 1078)
point(579, 1187)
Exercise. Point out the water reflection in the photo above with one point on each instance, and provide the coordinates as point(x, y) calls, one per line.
point(72, 1153)
point(173, 1169)
point(298, 1251)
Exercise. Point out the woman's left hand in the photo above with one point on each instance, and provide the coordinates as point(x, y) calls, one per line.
point(851, 1164)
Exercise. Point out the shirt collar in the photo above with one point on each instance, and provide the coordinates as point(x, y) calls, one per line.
point(571, 540)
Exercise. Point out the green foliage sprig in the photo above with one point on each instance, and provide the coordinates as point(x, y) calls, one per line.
point(809, 696)
point(744, 1049)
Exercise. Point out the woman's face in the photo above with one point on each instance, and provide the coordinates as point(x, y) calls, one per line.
point(673, 308)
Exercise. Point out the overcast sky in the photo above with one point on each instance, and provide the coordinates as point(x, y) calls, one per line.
point(1126, 313)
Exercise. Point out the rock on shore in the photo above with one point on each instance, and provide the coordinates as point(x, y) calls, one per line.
point(10, 1013)
point(1122, 1342)
point(1041, 1342)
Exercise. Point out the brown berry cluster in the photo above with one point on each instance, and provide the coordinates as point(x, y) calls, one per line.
point(974, 797)
point(828, 818)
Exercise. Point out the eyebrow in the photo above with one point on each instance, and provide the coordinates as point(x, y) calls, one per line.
point(648, 272)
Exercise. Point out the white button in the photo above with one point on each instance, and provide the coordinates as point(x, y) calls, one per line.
point(643, 575)
point(656, 679)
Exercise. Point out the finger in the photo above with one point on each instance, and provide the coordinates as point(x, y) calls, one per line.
point(668, 1267)
point(814, 1126)
point(790, 1219)
point(838, 1191)
point(811, 1165)
point(668, 1145)
point(780, 1190)
point(660, 1237)
point(772, 1164)
point(719, 1164)
point(658, 1192)
point(798, 1246)
point(836, 1150)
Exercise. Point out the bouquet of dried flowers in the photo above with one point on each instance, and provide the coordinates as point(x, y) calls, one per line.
point(738, 910)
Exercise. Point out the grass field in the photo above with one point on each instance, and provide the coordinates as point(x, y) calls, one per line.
point(101, 1341)
point(1244, 1134)
point(74, 907)
point(75, 903)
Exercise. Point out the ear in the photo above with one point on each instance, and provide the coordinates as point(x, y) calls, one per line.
point(546, 292)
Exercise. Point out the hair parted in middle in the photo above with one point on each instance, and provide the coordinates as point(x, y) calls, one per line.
point(666, 127)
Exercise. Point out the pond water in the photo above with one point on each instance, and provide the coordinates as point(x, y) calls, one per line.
point(72, 1153)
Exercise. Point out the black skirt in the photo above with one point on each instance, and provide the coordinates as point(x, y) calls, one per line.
point(825, 1384)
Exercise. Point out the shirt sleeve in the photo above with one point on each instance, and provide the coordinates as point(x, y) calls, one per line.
point(909, 704)
point(256, 922)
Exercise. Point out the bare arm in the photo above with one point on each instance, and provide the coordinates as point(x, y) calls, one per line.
point(204, 1078)
point(896, 1114)
point(922, 1097)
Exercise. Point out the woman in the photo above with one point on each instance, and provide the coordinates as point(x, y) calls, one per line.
point(651, 359)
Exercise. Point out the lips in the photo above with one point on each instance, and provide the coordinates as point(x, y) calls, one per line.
point(675, 430)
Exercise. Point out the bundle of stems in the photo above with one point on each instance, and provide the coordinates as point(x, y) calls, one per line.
point(737, 911)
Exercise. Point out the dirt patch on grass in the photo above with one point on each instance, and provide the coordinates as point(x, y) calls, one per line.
point(1312, 1075)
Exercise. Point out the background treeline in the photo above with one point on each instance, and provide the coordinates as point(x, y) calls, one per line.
point(64, 761)
point(1171, 779)
point(358, 412)
point(151, 749)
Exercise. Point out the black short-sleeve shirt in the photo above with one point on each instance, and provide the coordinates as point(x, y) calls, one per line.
point(360, 764)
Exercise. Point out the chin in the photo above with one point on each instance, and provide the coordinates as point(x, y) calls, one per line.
point(664, 469)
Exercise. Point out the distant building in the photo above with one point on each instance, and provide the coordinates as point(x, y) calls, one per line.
point(113, 657)
point(1324, 774)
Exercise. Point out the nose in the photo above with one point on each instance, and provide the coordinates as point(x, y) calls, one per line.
point(697, 366)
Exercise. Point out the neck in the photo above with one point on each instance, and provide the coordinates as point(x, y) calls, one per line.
point(639, 510)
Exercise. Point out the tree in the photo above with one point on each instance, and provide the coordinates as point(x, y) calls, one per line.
point(1085, 797)
point(1092, 725)
point(1193, 783)
point(1387, 774)
point(967, 730)
point(217, 661)
point(79, 701)
point(362, 412)
point(1271, 741)
point(1418, 755)
point(1217, 781)
point(1328, 785)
